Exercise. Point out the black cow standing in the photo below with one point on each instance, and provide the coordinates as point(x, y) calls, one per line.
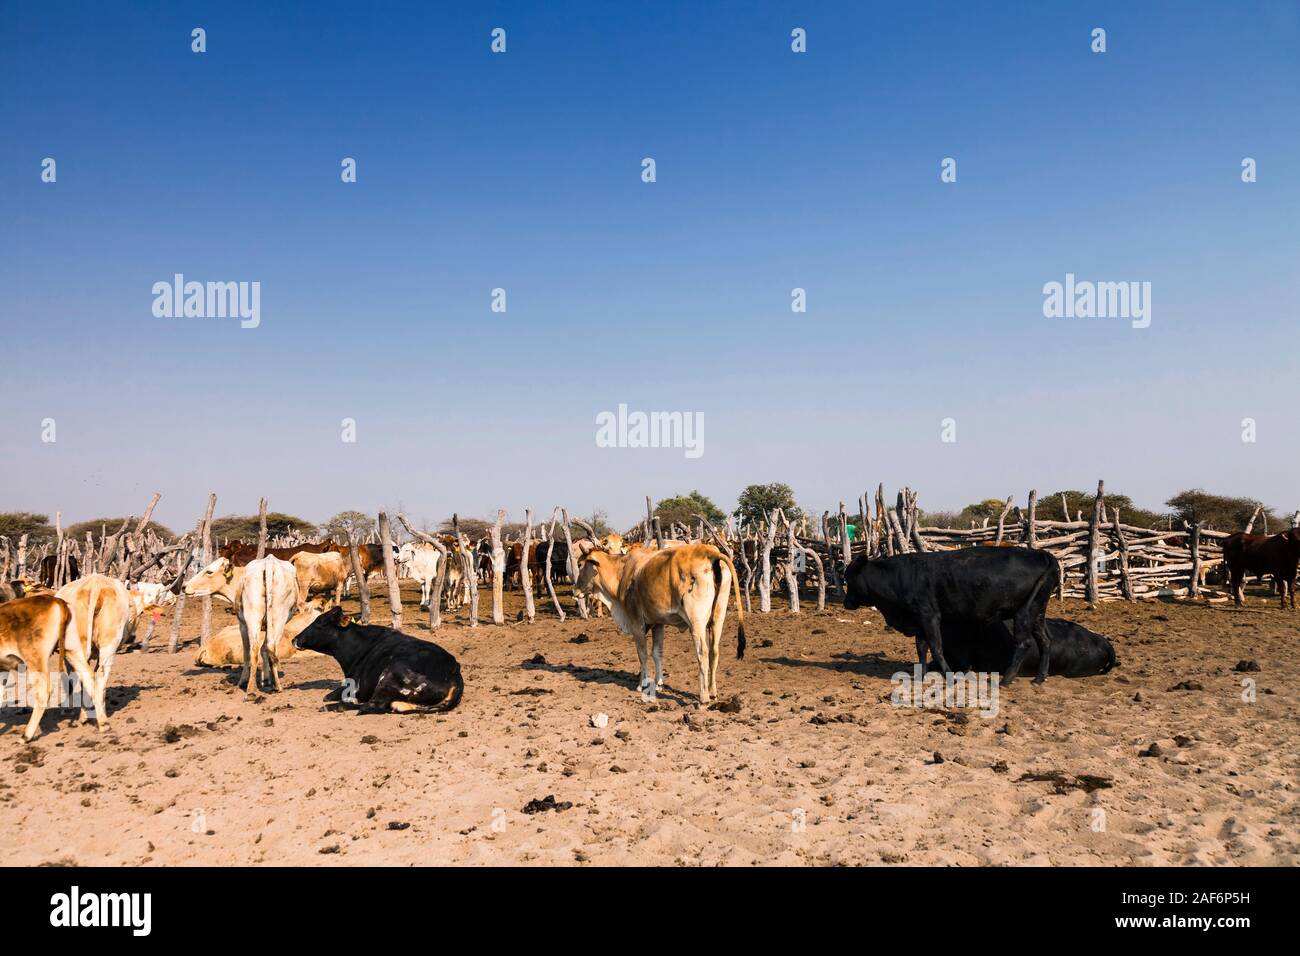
point(918, 593)
point(389, 670)
point(1076, 651)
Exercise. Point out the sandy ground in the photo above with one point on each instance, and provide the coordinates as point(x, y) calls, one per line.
point(816, 767)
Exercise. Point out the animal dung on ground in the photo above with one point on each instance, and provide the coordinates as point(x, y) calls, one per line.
point(547, 802)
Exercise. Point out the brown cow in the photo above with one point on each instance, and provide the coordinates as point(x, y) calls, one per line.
point(31, 629)
point(238, 553)
point(687, 587)
point(320, 572)
point(49, 564)
point(1277, 555)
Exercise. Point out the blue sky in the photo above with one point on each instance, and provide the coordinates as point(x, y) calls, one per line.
point(522, 170)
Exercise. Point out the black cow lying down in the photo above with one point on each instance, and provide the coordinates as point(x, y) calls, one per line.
point(1076, 651)
point(390, 671)
point(917, 592)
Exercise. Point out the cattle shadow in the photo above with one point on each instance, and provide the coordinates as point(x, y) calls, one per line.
point(118, 697)
point(605, 675)
point(871, 664)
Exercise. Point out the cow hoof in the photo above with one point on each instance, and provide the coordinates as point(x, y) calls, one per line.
point(1039, 679)
point(1006, 681)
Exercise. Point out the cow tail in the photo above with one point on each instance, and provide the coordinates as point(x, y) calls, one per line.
point(70, 620)
point(722, 597)
point(90, 621)
point(452, 699)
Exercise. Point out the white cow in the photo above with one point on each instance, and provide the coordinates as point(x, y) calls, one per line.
point(419, 560)
point(264, 592)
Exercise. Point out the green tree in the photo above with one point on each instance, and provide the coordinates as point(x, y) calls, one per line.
point(1219, 512)
point(347, 523)
point(245, 527)
point(757, 501)
point(96, 527)
point(15, 524)
point(683, 508)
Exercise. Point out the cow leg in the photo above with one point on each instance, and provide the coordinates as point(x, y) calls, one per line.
point(38, 692)
point(1023, 633)
point(101, 688)
point(272, 665)
point(246, 675)
point(254, 659)
point(645, 661)
point(1238, 586)
point(658, 657)
point(930, 626)
point(922, 652)
point(77, 661)
point(1037, 627)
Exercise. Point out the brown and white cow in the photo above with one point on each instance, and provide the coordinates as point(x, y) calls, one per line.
point(101, 610)
point(687, 587)
point(264, 593)
point(31, 629)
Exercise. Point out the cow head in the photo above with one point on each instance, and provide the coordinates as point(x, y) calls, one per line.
point(218, 578)
point(598, 575)
point(857, 593)
point(323, 633)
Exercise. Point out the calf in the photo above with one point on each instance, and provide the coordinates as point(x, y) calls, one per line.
point(101, 609)
point(387, 669)
point(1076, 651)
point(917, 592)
point(263, 592)
point(31, 629)
point(1277, 555)
point(687, 587)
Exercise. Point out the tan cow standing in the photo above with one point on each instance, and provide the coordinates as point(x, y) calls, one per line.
point(264, 593)
point(687, 587)
point(320, 572)
point(101, 609)
point(31, 629)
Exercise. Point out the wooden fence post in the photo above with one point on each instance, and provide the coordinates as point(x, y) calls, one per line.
point(765, 581)
point(791, 578)
point(525, 578)
point(1094, 537)
point(578, 597)
point(1125, 583)
point(205, 603)
point(390, 570)
point(1194, 543)
point(363, 587)
point(469, 561)
point(498, 571)
point(261, 529)
point(1031, 535)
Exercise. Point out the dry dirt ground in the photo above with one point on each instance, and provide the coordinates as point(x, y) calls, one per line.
point(816, 767)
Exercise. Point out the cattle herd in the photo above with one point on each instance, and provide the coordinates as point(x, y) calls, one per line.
point(977, 608)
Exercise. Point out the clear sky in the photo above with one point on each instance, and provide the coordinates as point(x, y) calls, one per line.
point(522, 171)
